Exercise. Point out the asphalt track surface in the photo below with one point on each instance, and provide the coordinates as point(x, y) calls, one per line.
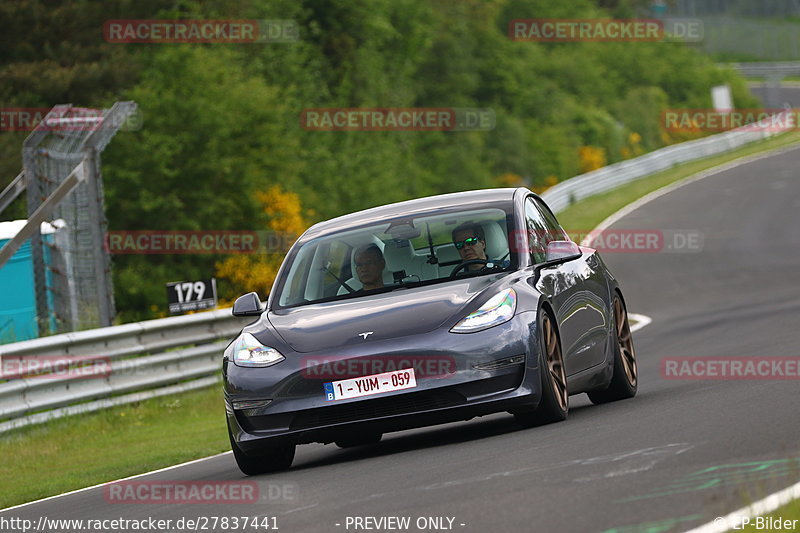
point(786, 94)
point(676, 456)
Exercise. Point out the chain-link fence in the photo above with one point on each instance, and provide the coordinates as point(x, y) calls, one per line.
point(61, 169)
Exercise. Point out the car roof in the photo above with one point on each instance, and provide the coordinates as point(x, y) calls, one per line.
point(409, 207)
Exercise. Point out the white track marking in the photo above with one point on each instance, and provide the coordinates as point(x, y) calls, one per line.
point(640, 321)
point(760, 508)
point(115, 481)
point(304, 508)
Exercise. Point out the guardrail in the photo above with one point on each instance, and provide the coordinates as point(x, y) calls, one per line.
point(768, 69)
point(607, 178)
point(149, 358)
point(169, 355)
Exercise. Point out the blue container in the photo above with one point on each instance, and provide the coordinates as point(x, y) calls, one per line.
point(17, 293)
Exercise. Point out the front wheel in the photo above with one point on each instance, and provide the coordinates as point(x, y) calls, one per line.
point(625, 379)
point(554, 405)
point(269, 459)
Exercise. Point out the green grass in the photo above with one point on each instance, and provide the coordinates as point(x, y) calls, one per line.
point(84, 450)
point(791, 511)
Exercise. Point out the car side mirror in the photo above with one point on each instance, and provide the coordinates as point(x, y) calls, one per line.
point(562, 251)
point(247, 305)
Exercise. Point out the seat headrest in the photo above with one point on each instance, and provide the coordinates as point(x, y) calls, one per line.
point(373, 240)
point(447, 254)
point(496, 240)
point(398, 254)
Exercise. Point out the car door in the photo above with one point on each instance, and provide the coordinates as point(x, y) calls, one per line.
point(574, 288)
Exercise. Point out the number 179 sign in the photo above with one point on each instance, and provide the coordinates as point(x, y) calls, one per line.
point(186, 296)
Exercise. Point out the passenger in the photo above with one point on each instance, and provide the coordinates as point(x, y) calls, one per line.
point(369, 265)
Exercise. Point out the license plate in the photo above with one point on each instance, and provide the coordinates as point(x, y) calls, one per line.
point(368, 385)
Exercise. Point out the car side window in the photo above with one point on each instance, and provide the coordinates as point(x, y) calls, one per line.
point(297, 288)
point(339, 259)
point(537, 232)
point(554, 231)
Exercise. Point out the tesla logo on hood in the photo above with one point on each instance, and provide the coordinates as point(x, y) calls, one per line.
point(366, 334)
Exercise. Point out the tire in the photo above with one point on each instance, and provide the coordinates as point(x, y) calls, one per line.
point(625, 378)
point(554, 404)
point(359, 440)
point(268, 459)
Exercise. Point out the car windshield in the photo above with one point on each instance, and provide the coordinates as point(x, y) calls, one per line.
point(398, 253)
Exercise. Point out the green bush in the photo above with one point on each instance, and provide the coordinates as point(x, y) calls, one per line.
point(222, 121)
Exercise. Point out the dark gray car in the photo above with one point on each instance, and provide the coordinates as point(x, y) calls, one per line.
point(422, 312)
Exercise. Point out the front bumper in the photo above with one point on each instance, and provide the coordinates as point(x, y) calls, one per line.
point(298, 411)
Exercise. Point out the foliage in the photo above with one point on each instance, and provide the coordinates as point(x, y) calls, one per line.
point(592, 158)
point(256, 272)
point(221, 121)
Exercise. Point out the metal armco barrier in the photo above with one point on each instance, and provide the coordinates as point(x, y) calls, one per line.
point(607, 178)
point(767, 69)
point(171, 355)
point(182, 351)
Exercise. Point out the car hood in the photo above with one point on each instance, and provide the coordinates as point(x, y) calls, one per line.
point(323, 326)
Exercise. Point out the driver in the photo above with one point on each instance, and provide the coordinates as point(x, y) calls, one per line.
point(470, 243)
point(369, 266)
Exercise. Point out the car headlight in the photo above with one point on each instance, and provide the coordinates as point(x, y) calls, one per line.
point(500, 308)
point(247, 351)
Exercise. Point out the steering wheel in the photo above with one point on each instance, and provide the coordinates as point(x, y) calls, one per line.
point(464, 264)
